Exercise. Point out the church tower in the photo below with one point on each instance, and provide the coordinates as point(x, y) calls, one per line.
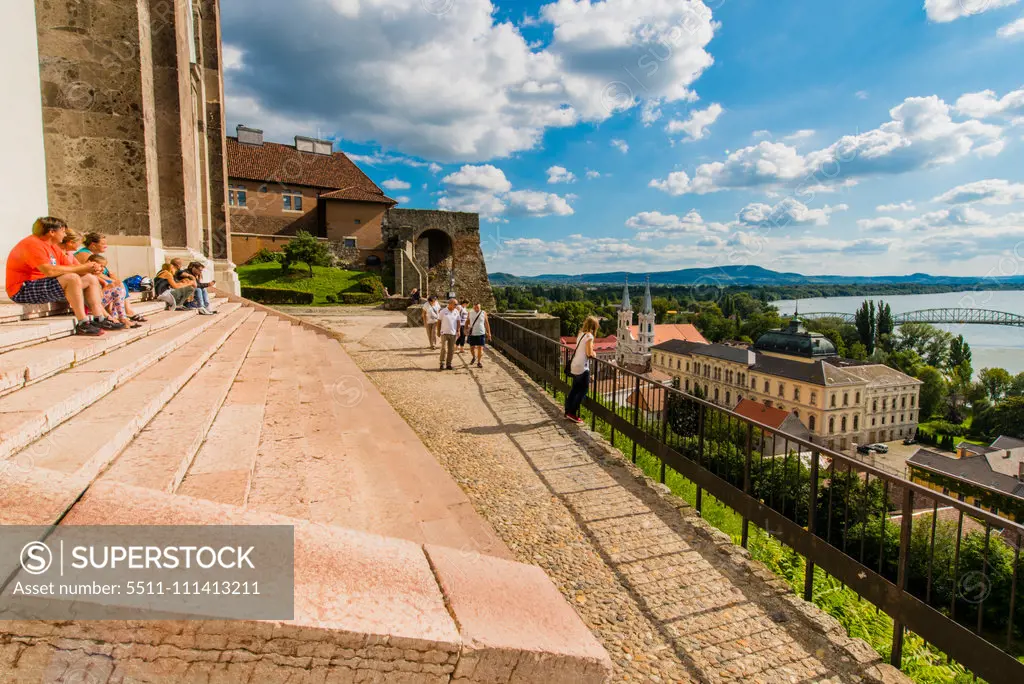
point(646, 321)
point(624, 338)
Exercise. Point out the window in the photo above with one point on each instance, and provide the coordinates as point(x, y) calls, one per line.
point(883, 420)
point(728, 397)
point(292, 200)
point(767, 402)
point(796, 394)
point(687, 366)
point(796, 413)
point(687, 384)
point(874, 422)
point(901, 418)
point(350, 242)
point(767, 387)
point(716, 394)
point(236, 196)
point(874, 406)
point(846, 398)
point(831, 424)
point(911, 401)
point(814, 398)
point(842, 424)
point(832, 401)
point(358, 221)
point(885, 404)
point(811, 423)
point(856, 423)
point(679, 364)
point(857, 399)
point(753, 383)
point(903, 402)
point(782, 390)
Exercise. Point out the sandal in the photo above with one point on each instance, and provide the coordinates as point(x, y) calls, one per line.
point(133, 324)
point(138, 318)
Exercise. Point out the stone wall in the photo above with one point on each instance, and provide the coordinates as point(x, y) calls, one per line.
point(403, 226)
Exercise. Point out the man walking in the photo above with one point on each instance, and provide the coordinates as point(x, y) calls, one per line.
point(430, 311)
point(448, 323)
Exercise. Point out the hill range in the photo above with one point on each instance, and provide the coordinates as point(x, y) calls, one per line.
point(723, 276)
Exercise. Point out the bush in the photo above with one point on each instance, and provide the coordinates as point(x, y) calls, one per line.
point(265, 256)
point(944, 427)
point(306, 249)
point(357, 298)
point(331, 299)
point(271, 295)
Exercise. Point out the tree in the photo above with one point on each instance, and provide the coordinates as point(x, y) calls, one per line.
point(1016, 388)
point(865, 322)
point(858, 352)
point(1007, 417)
point(933, 391)
point(305, 249)
point(930, 343)
point(836, 339)
point(996, 382)
point(960, 356)
point(571, 315)
point(906, 361)
point(884, 326)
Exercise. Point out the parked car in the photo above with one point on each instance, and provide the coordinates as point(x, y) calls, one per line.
point(909, 440)
point(880, 448)
point(864, 449)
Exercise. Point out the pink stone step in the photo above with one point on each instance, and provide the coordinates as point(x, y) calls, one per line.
point(222, 469)
point(87, 443)
point(160, 454)
point(58, 398)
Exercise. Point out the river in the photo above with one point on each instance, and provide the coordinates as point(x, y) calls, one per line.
point(991, 345)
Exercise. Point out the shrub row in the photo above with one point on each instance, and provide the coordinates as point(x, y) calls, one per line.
point(271, 295)
point(265, 256)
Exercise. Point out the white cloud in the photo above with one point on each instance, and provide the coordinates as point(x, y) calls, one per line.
point(463, 87)
point(381, 159)
point(402, 199)
point(655, 225)
point(536, 203)
point(986, 104)
point(1014, 28)
point(800, 135)
point(484, 189)
point(650, 112)
point(882, 224)
point(697, 125)
point(861, 94)
point(620, 145)
point(593, 174)
point(560, 174)
point(920, 134)
point(434, 167)
point(991, 191)
point(788, 212)
point(763, 133)
point(942, 11)
point(896, 206)
point(396, 184)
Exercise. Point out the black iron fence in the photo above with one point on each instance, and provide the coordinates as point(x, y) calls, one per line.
point(939, 567)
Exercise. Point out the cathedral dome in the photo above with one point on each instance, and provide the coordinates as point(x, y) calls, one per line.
point(795, 340)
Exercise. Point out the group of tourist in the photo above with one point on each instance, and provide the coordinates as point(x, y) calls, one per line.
point(57, 264)
point(453, 326)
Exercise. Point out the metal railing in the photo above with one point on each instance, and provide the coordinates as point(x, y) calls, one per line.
point(939, 567)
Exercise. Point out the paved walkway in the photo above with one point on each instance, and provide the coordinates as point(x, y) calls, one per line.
point(662, 598)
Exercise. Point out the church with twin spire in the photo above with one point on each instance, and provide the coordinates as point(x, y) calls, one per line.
point(633, 352)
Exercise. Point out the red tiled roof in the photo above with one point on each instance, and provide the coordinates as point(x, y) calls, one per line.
point(357, 195)
point(766, 415)
point(601, 344)
point(276, 163)
point(673, 331)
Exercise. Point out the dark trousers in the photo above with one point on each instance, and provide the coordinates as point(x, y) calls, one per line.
point(573, 400)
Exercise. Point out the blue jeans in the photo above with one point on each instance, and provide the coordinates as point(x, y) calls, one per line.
point(202, 299)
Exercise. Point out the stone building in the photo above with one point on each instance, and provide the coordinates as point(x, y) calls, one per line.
point(983, 476)
point(276, 190)
point(117, 112)
point(634, 351)
point(841, 402)
point(431, 250)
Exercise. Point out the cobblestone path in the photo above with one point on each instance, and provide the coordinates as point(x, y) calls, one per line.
point(662, 594)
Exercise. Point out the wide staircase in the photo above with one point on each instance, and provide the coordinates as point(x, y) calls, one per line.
point(251, 417)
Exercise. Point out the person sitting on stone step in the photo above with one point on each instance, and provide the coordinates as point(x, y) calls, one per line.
point(201, 300)
point(171, 291)
point(96, 243)
point(39, 272)
point(113, 295)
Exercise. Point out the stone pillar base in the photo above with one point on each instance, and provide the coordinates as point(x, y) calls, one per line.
point(227, 279)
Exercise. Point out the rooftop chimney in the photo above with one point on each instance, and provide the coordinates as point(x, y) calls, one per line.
point(314, 145)
point(249, 136)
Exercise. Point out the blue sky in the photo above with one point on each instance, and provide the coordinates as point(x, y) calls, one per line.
point(876, 137)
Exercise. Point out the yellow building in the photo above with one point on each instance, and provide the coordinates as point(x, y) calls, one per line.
point(841, 402)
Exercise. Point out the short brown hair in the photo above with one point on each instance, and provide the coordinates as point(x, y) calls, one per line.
point(71, 235)
point(92, 238)
point(47, 224)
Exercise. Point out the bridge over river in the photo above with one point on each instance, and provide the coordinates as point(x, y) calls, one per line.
point(951, 316)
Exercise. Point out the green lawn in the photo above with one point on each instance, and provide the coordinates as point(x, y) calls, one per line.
point(325, 280)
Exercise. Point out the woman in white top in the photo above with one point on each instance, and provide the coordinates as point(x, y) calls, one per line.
point(478, 329)
point(460, 342)
point(579, 369)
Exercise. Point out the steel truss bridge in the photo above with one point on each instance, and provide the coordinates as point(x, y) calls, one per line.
point(951, 316)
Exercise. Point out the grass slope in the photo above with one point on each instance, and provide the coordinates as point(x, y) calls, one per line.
point(325, 280)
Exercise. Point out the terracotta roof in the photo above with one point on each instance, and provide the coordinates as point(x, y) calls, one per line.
point(601, 344)
point(276, 163)
point(672, 331)
point(357, 195)
point(766, 415)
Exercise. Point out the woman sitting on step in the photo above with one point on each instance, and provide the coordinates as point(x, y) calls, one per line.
point(113, 294)
point(172, 292)
point(96, 243)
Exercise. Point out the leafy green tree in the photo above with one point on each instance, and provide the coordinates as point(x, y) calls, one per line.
point(1016, 388)
point(1008, 417)
point(933, 391)
point(884, 326)
point(960, 356)
point(906, 361)
point(865, 321)
point(571, 315)
point(930, 343)
point(305, 249)
point(661, 308)
point(858, 352)
point(836, 339)
point(996, 382)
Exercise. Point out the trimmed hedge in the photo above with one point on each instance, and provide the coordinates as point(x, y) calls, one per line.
point(273, 295)
point(357, 298)
point(265, 256)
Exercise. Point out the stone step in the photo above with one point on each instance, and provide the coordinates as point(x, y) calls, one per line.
point(161, 453)
point(32, 411)
point(38, 357)
point(222, 470)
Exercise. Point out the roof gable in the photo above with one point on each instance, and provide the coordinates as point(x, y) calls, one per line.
point(766, 415)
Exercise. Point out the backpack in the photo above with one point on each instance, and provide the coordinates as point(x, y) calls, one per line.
point(137, 283)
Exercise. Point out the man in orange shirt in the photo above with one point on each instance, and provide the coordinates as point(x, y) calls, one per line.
point(38, 271)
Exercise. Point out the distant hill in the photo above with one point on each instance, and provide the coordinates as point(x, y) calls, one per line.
point(724, 276)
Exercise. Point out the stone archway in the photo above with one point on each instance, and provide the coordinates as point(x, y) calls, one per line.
point(433, 247)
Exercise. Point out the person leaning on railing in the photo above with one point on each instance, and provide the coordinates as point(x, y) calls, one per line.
point(579, 369)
